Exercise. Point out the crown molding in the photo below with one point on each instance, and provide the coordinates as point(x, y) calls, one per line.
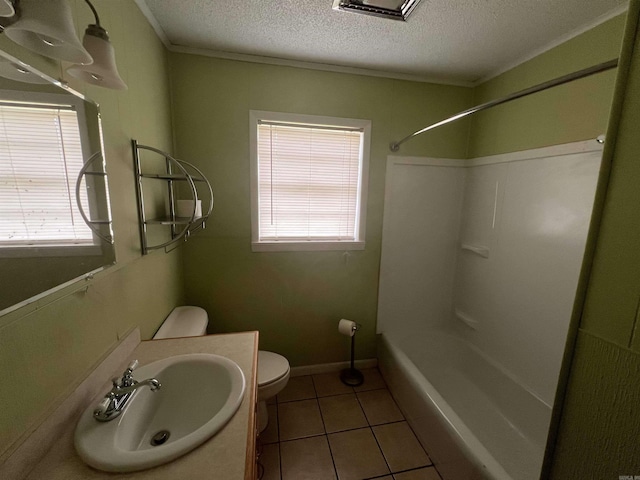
point(242, 57)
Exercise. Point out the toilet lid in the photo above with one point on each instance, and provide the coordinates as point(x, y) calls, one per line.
point(271, 367)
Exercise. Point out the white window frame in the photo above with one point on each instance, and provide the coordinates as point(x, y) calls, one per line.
point(257, 245)
point(64, 248)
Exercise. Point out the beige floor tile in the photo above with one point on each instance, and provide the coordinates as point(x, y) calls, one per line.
point(330, 384)
point(298, 388)
point(342, 412)
point(299, 419)
point(372, 380)
point(356, 455)
point(270, 434)
point(379, 407)
point(400, 447)
point(270, 461)
point(422, 474)
point(307, 459)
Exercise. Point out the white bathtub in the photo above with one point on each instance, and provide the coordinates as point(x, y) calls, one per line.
point(474, 419)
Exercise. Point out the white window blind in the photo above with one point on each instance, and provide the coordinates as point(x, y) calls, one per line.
point(309, 181)
point(40, 157)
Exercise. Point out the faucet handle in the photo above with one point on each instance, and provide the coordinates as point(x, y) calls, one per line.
point(102, 407)
point(127, 376)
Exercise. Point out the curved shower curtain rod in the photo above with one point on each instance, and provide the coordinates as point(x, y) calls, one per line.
point(395, 146)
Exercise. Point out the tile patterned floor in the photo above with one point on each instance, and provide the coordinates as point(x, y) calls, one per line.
point(321, 429)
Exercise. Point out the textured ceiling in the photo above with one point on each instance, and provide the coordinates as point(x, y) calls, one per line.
point(447, 40)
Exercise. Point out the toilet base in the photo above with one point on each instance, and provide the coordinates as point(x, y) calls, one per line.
point(263, 416)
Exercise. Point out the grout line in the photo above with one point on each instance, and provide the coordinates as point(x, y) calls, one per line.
point(397, 406)
point(333, 461)
point(635, 325)
point(339, 431)
point(381, 451)
point(363, 410)
point(419, 443)
point(332, 395)
point(299, 400)
point(374, 436)
point(437, 471)
point(313, 382)
point(324, 425)
point(413, 469)
point(278, 429)
point(303, 438)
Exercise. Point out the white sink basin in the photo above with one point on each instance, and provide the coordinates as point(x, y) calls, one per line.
point(200, 393)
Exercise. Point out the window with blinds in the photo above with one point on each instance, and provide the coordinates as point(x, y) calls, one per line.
point(309, 185)
point(40, 157)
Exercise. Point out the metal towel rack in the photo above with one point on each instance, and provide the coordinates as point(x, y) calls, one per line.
point(95, 225)
point(175, 171)
point(601, 67)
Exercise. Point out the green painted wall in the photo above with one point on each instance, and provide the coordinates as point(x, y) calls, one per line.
point(568, 113)
point(598, 431)
point(294, 299)
point(47, 347)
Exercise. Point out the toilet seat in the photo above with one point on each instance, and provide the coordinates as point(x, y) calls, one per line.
point(271, 367)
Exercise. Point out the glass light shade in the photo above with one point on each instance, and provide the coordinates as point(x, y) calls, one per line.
point(46, 27)
point(6, 8)
point(103, 71)
point(19, 73)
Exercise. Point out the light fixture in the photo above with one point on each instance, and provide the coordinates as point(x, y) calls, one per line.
point(14, 71)
point(46, 27)
point(393, 9)
point(6, 8)
point(103, 71)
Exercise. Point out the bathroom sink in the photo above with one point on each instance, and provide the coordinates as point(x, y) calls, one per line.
point(200, 393)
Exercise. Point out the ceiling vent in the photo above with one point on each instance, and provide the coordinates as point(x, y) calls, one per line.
point(393, 9)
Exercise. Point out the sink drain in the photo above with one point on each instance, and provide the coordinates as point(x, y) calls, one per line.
point(159, 438)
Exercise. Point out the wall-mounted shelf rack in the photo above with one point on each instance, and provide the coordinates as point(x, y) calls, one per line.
point(175, 171)
point(466, 319)
point(95, 161)
point(477, 249)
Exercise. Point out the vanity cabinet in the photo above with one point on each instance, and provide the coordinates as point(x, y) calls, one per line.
point(252, 470)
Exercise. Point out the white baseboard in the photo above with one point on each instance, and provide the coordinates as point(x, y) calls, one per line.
point(331, 367)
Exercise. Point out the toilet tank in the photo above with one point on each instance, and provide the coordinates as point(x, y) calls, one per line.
point(184, 322)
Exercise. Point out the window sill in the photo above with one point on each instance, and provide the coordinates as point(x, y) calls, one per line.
point(283, 246)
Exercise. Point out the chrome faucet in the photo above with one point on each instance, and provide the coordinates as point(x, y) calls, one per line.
point(122, 391)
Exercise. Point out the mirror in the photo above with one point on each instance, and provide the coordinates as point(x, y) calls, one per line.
point(47, 135)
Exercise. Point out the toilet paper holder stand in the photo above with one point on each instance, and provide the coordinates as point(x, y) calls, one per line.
point(352, 376)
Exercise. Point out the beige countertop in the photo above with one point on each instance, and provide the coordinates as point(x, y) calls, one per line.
point(229, 455)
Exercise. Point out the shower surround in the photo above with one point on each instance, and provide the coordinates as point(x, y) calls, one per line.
point(480, 263)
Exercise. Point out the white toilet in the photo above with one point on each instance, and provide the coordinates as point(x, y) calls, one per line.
point(273, 369)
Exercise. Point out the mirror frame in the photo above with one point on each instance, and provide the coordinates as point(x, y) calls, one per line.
point(76, 283)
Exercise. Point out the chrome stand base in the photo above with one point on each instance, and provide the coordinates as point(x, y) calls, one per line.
point(351, 377)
